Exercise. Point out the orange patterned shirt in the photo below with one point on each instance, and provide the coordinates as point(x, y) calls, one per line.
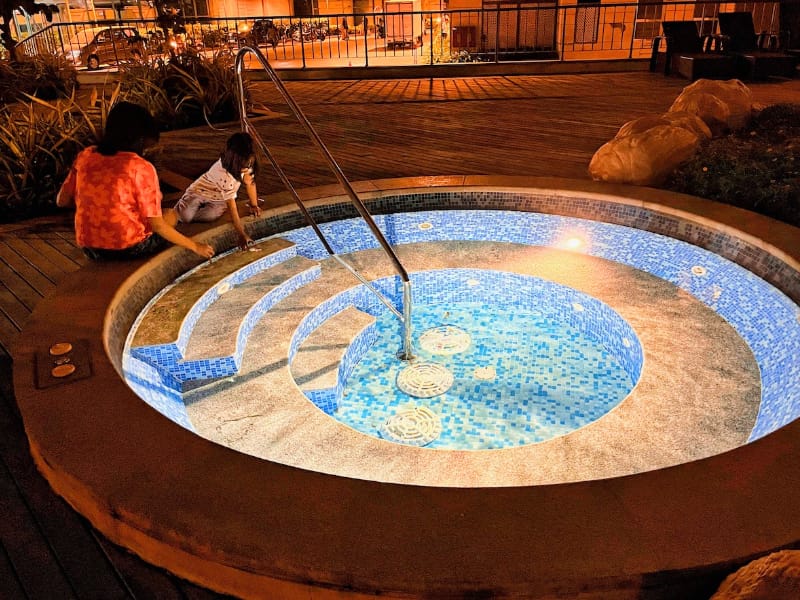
point(114, 196)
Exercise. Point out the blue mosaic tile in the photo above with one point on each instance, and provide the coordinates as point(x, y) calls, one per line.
point(572, 361)
point(765, 317)
point(746, 301)
point(181, 375)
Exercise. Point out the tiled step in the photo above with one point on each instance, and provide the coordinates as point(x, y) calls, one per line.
point(317, 366)
point(171, 318)
point(222, 329)
point(163, 335)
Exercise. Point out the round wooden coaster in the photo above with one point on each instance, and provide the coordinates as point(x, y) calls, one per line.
point(60, 348)
point(63, 370)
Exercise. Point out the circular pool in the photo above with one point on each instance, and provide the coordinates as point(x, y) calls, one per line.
point(685, 325)
point(275, 498)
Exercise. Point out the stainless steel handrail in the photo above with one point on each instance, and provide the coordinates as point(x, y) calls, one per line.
point(406, 353)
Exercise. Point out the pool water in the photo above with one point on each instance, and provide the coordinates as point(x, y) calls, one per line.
point(524, 377)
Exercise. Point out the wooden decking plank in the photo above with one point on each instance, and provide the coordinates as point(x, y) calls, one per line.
point(67, 249)
point(19, 287)
point(141, 579)
point(39, 574)
point(36, 259)
point(25, 270)
point(70, 543)
point(13, 308)
point(8, 336)
point(43, 245)
point(10, 586)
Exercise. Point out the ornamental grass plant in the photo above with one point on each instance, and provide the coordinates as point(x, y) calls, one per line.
point(188, 90)
point(38, 143)
point(39, 139)
point(44, 76)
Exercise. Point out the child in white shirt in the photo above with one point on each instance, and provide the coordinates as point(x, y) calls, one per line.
point(215, 191)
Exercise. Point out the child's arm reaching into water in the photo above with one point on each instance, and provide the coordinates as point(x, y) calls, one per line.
point(252, 195)
point(244, 239)
point(252, 202)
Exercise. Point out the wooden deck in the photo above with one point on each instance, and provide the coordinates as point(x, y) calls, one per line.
point(527, 125)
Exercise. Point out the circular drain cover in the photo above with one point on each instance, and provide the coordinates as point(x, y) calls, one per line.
point(424, 380)
point(444, 339)
point(417, 426)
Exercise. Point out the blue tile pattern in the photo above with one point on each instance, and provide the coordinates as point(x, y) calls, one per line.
point(563, 359)
point(766, 318)
point(149, 385)
point(182, 375)
point(233, 279)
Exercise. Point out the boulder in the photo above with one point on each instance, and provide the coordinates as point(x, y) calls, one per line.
point(679, 119)
point(722, 105)
point(645, 157)
point(773, 577)
point(690, 122)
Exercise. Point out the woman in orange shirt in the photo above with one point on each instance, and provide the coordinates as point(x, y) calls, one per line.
point(116, 194)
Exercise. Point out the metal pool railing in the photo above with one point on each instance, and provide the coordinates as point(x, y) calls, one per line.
point(406, 353)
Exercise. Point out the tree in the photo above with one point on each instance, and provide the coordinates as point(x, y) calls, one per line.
point(7, 8)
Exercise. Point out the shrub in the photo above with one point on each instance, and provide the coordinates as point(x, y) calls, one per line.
point(44, 76)
point(186, 91)
point(38, 143)
point(143, 84)
point(757, 168)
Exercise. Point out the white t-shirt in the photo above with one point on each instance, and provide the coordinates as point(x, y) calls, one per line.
point(206, 199)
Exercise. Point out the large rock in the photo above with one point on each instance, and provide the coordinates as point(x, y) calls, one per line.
point(773, 577)
point(686, 120)
point(722, 105)
point(644, 156)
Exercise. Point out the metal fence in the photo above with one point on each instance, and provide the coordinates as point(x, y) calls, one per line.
point(544, 31)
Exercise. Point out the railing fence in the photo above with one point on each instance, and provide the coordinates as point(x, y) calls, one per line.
point(545, 31)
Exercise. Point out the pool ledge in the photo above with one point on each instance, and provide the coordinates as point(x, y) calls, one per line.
point(258, 529)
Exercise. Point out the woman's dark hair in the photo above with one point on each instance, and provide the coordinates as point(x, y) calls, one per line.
point(237, 154)
point(129, 128)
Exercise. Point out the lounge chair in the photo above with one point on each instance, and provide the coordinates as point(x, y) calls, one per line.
point(755, 53)
point(690, 55)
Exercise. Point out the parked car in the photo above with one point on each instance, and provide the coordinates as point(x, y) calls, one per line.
point(95, 46)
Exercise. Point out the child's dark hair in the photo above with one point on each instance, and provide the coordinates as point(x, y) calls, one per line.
point(237, 154)
point(129, 128)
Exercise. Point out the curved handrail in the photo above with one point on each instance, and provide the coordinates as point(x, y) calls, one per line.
point(406, 353)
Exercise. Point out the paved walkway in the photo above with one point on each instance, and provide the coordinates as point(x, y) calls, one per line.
point(548, 125)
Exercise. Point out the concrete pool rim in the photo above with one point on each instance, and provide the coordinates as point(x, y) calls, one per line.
point(621, 533)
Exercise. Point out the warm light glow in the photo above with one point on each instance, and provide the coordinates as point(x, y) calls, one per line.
point(573, 243)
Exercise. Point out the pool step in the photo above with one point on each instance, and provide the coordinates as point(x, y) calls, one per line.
point(223, 302)
point(315, 367)
point(172, 317)
point(222, 330)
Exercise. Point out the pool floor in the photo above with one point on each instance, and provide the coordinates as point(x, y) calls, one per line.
point(520, 378)
point(698, 394)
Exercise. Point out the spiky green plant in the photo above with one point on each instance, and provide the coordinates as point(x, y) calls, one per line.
point(38, 143)
point(143, 84)
point(207, 89)
point(45, 76)
point(188, 90)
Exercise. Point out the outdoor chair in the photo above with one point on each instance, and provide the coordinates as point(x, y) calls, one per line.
point(690, 55)
point(756, 54)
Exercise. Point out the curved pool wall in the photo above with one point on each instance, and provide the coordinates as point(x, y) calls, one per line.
point(258, 529)
point(763, 315)
point(551, 301)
